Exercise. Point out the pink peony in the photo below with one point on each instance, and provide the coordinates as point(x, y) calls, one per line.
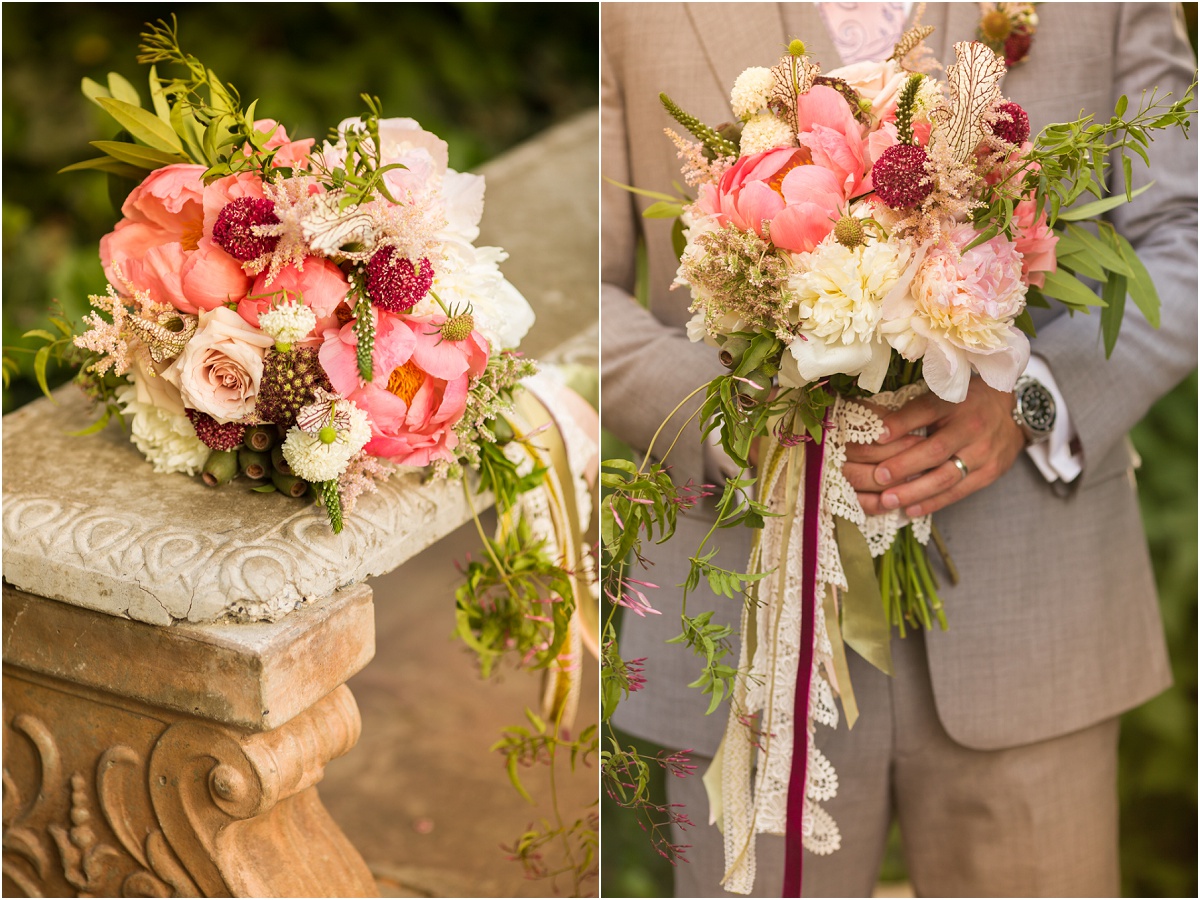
point(833, 136)
point(419, 392)
point(162, 244)
point(219, 370)
point(958, 314)
point(779, 195)
point(321, 286)
point(1035, 241)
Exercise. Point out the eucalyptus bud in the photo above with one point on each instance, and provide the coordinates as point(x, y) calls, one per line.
point(254, 465)
point(260, 437)
point(278, 461)
point(502, 430)
point(289, 485)
point(754, 389)
point(220, 468)
point(732, 351)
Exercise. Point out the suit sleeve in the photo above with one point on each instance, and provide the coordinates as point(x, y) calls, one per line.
point(647, 367)
point(1108, 397)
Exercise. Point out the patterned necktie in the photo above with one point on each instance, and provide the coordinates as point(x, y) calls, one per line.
point(863, 30)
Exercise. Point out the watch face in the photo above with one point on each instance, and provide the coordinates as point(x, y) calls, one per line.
point(1037, 408)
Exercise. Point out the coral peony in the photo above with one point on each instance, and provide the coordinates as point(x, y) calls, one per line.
point(419, 392)
point(1035, 241)
point(163, 245)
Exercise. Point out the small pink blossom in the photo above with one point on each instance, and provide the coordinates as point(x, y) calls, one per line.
point(290, 153)
point(1035, 241)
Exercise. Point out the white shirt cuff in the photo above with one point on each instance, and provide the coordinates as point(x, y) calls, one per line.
point(1053, 457)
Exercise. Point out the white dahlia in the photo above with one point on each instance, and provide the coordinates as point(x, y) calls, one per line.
point(765, 132)
point(166, 439)
point(751, 91)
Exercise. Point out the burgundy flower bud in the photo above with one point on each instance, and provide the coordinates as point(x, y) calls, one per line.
point(899, 176)
point(396, 284)
point(233, 231)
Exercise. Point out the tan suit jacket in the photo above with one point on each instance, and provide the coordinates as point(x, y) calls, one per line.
point(1054, 625)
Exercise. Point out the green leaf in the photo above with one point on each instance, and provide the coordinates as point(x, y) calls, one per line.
point(158, 97)
point(1070, 290)
point(1082, 264)
point(1098, 207)
point(96, 427)
point(137, 155)
point(183, 121)
point(144, 126)
point(656, 195)
point(1141, 286)
point(40, 333)
point(678, 240)
point(1111, 315)
point(1025, 322)
point(93, 90)
point(119, 88)
point(1106, 255)
point(982, 238)
point(663, 209)
point(1122, 105)
point(264, 489)
point(1127, 171)
point(40, 361)
point(107, 164)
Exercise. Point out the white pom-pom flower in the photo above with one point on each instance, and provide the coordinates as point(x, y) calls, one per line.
point(751, 91)
point(328, 433)
point(765, 132)
point(288, 322)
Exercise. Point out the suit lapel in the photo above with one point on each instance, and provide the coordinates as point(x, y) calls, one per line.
point(735, 36)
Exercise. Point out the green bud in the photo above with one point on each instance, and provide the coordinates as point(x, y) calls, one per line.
point(220, 468)
point(283, 347)
point(502, 430)
point(260, 437)
point(254, 465)
point(328, 434)
point(750, 395)
point(796, 48)
point(289, 485)
point(732, 351)
point(848, 232)
point(278, 461)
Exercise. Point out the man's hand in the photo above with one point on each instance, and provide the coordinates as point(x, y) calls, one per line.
point(918, 475)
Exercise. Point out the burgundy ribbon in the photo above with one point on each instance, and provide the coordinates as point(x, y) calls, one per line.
point(794, 840)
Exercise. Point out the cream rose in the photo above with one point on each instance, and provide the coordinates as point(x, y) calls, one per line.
point(878, 82)
point(219, 370)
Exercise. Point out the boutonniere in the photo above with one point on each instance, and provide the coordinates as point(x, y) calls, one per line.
point(1008, 28)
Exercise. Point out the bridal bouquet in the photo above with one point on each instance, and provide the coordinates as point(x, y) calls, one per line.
point(857, 238)
point(305, 316)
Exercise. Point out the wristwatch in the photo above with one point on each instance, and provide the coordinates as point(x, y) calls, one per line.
point(1034, 410)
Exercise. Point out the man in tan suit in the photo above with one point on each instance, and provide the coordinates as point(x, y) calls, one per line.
point(995, 742)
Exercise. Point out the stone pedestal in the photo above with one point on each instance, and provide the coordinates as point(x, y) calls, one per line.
point(150, 762)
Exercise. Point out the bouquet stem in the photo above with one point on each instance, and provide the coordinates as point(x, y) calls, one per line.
point(908, 585)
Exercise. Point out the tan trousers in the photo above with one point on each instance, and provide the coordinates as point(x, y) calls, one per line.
point(1038, 820)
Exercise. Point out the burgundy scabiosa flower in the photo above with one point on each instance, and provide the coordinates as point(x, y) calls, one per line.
point(214, 434)
point(397, 284)
point(899, 176)
point(234, 233)
point(1016, 131)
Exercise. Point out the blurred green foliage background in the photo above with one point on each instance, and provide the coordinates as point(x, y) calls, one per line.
point(1158, 751)
point(483, 76)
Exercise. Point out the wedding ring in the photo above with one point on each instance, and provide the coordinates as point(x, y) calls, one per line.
point(962, 466)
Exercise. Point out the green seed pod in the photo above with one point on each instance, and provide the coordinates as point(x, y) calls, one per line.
point(755, 392)
point(289, 485)
point(797, 48)
point(277, 459)
point(260, 437)
point(732, 351)
point(502, 430)
point(220, 467)
point(254, 465)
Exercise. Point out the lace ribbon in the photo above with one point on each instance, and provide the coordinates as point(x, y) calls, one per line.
point(750, 776)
